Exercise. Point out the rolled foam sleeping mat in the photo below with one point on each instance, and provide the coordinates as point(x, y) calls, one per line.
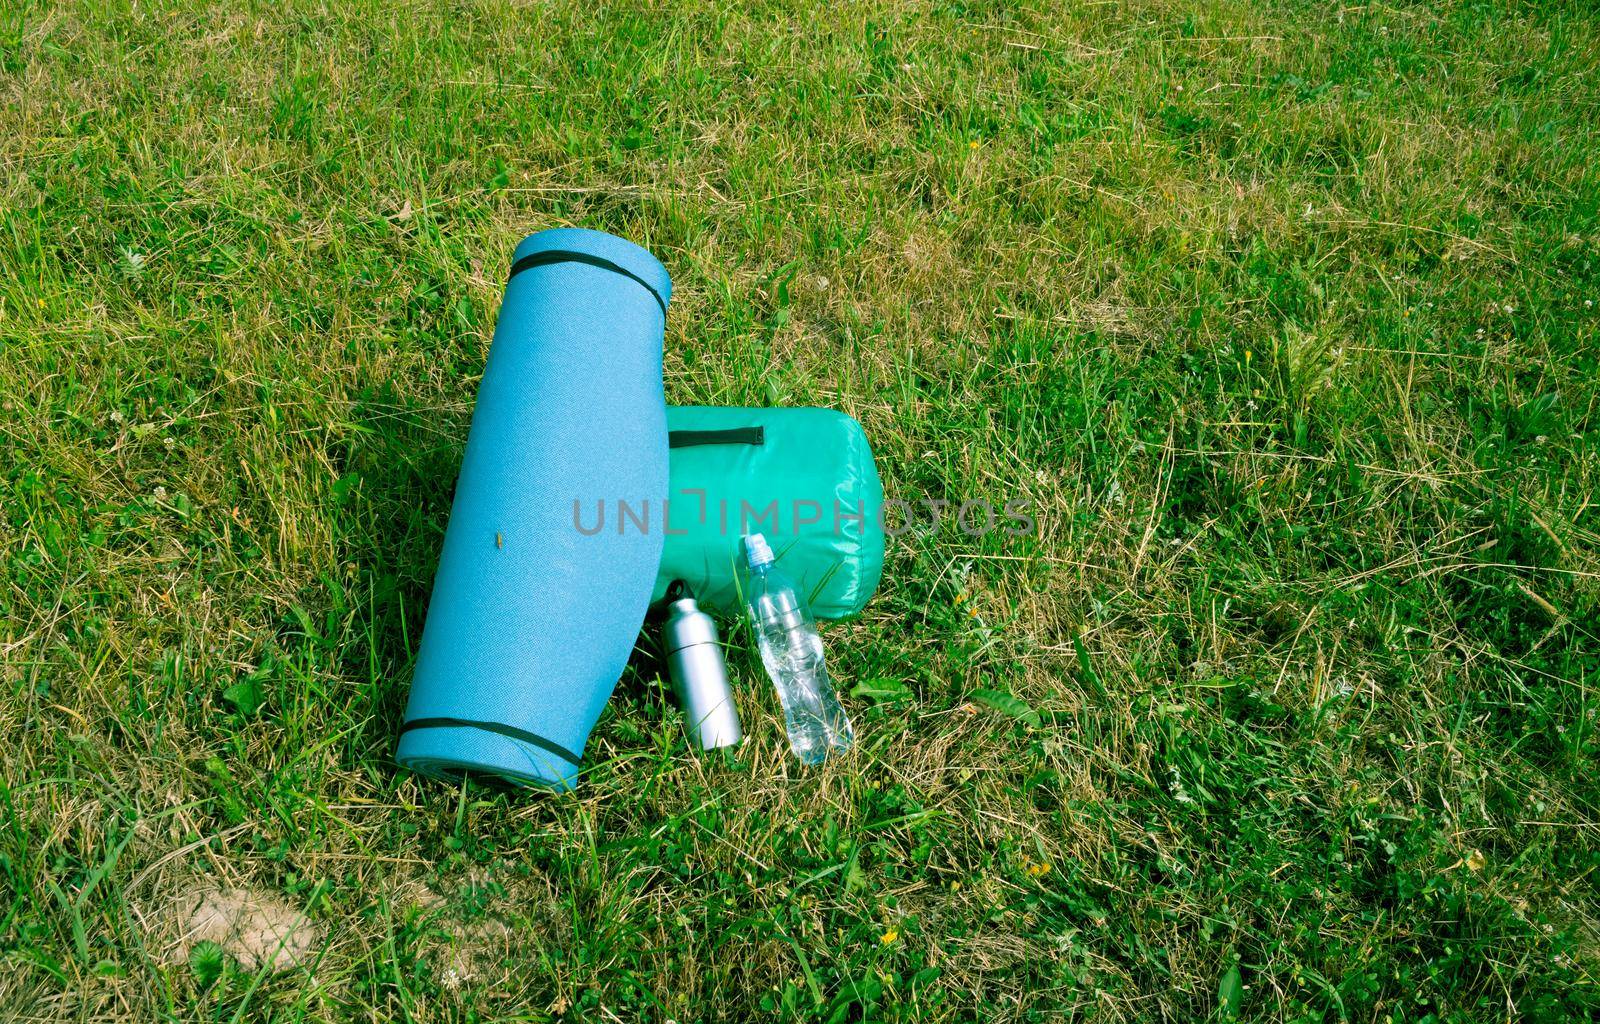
point(532, 619)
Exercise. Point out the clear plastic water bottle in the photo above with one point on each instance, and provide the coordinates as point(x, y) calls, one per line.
point(792, 653)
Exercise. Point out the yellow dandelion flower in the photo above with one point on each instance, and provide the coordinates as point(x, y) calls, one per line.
point(888, 936)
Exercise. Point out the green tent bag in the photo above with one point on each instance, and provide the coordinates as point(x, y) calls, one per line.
point(804, 477)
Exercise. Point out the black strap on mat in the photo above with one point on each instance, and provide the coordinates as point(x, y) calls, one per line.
point(732, 435)
point(509, 731)
point(549, 256)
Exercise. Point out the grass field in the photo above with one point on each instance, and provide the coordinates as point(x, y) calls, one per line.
point(1281, 315)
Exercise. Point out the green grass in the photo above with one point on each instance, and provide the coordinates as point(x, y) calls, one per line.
point(1282, 315)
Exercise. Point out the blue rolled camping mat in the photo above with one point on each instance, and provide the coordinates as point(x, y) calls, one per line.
point(532, 618)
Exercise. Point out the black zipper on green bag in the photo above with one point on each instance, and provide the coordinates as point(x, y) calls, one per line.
point(732, 435)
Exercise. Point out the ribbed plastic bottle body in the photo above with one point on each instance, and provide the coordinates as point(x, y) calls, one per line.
point(791, 650)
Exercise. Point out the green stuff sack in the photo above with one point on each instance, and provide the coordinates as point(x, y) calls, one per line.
point(804, 477)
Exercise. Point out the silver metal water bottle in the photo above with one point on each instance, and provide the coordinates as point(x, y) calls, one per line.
point(700, 676)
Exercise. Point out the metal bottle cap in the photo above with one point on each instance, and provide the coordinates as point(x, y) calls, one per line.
point(700, 676)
